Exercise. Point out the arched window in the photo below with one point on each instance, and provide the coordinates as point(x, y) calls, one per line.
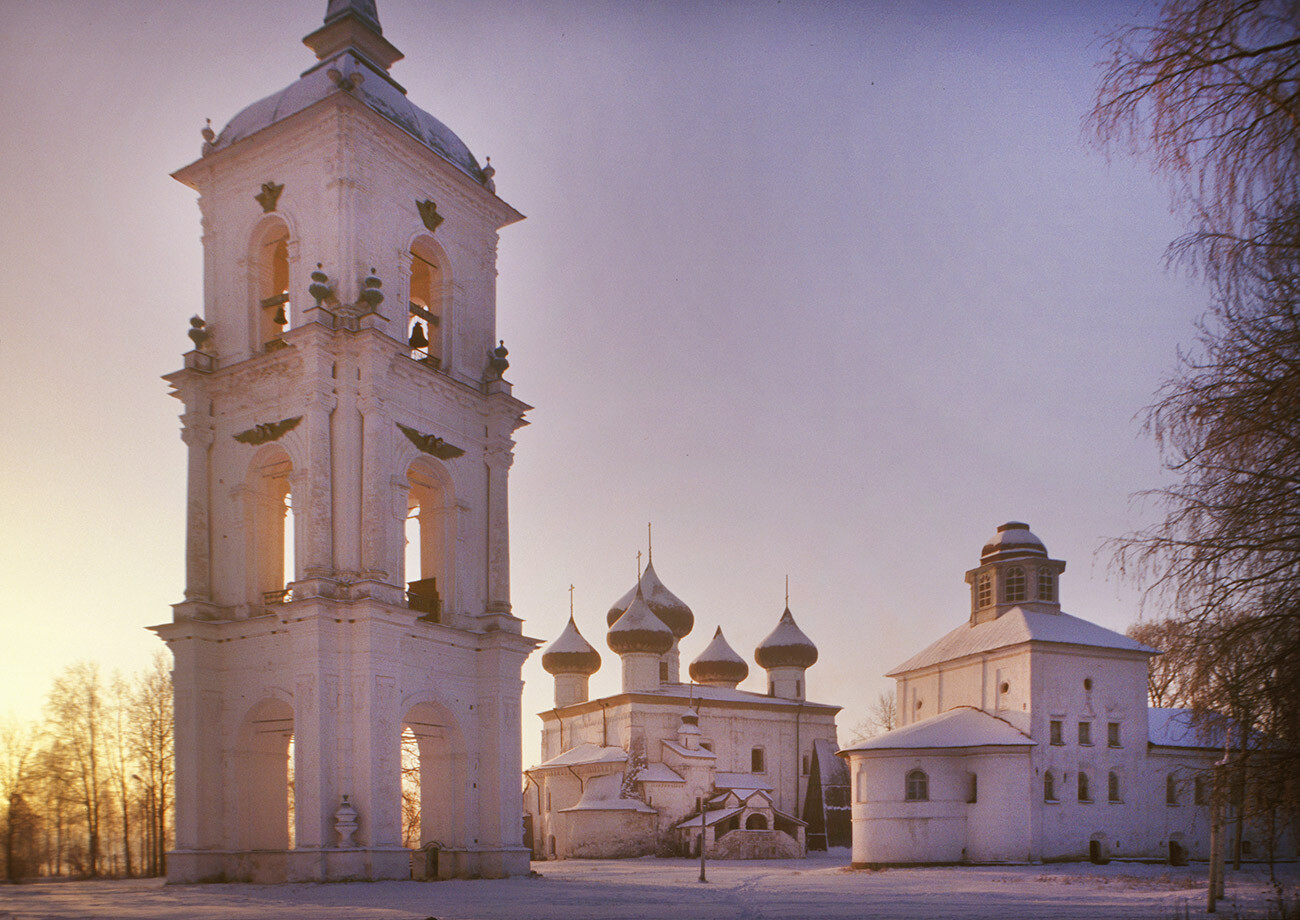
point(431, 538)
point(428, 320)
point(1046, 585)
point(1049, 787)
point(1013, 589)
point(1085, 794)
point(983, 591)
point(918, 786)
point(757, 761)
point(271, 556)
point(862, 784)
point(272, 281)
point(1112, 787)
point(1171, 789)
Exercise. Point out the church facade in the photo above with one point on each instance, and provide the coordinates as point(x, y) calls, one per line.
point(665, 767)
point(345, 398)
point(1025, 735)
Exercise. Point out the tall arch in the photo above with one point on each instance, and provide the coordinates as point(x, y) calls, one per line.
point(443, 781)
point(262, 770)
point(270, 254)
point(271, 550)
point(429, 302)
point(431, 538)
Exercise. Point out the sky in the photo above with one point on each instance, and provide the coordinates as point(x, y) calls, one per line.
point(825, 290)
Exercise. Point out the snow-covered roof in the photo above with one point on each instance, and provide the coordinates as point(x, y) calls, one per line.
point(699, 753)
point(786, 646)
point(658, 773)
point(963, 727)
point(374, 90)
point(1014, 627)
point(604, 793)
point(1184, 729)
point(710, 817)
point(667, 606)
point(1012, 540)
point(585, 753)
point(723, 780)
point(719, 662)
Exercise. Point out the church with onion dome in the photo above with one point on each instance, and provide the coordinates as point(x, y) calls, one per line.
point(668, 765)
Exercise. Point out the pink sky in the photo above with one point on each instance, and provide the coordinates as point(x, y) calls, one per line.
point(821, 289)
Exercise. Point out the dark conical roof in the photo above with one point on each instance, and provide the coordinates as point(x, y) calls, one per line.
point(719, 663)
point(667, 606)
point(570, 653)
point(639, 630)
point(786, 646)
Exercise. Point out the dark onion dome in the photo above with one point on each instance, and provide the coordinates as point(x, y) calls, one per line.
point(1012, 541)
point(667, 606)
point(719, 663)
point(570, 653)
point(639, 630)
point(786, 646)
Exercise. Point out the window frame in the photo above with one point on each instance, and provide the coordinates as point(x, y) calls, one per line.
point(916, 786)
point(1113, 738)
point(1112, 788)
point(1049, 787)
point(1046, 585)
point(1085, 734)
point(758, 760)
point(1084, 788)
point(1015, 586)
point(1056, 732)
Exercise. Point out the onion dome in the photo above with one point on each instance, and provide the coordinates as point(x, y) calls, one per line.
point(786, 646)
point(1012, 541)
point(570, 653)
point(667, 606)
point(719, 663)
point(639, 630)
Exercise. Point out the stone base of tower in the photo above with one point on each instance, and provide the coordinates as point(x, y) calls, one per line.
point(363, 864)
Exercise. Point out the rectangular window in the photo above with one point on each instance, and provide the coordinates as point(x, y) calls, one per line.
point(807, 764)
point(1085, 795)
point(757, 762)
point(1201, 792)
point(972, 794)
point(1112, 734)
point(1085, 733)
point(1058, 732)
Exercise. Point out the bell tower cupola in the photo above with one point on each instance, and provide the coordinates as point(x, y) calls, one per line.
point(1014, 571)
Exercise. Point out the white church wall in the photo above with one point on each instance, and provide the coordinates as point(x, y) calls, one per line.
point(999, 821)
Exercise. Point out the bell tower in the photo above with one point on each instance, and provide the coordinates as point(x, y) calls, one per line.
point(350, 436)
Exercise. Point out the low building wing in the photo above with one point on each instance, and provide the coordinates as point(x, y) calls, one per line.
point(963, 727)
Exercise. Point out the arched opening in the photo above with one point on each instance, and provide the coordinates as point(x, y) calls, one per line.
point(273, 535)
point(431, 538)
point(756, 822)
point(1049, 787)
point(264, 770)
point(434, 778)
point(271, 259)
point(428, 319)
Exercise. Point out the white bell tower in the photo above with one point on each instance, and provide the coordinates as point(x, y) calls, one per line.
point(345, 399)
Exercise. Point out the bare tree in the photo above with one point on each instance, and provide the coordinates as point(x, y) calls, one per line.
point(150, 728)
point(75, 714)
point(882, 717)
point(1167, 672)
point(1211, 92)
point(18, 742)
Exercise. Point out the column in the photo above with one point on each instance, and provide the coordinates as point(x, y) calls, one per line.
point(498, 461)
point(198, 548)
point(317, 543)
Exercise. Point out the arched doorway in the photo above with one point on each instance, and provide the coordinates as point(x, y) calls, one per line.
point(1177, 851)
point(263, 770)
point(756, 822)
point(438, 775)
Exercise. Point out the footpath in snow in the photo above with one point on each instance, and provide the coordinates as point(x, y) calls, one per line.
point(656, 889)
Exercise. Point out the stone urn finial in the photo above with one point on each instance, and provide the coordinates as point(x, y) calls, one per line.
point(345, 822)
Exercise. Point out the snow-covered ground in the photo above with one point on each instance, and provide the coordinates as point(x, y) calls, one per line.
point(650, 889)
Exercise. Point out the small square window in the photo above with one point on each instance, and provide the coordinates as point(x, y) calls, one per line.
point(1112, 734)
point(1085, 733)
point(757, 761)
point(1058, 732)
